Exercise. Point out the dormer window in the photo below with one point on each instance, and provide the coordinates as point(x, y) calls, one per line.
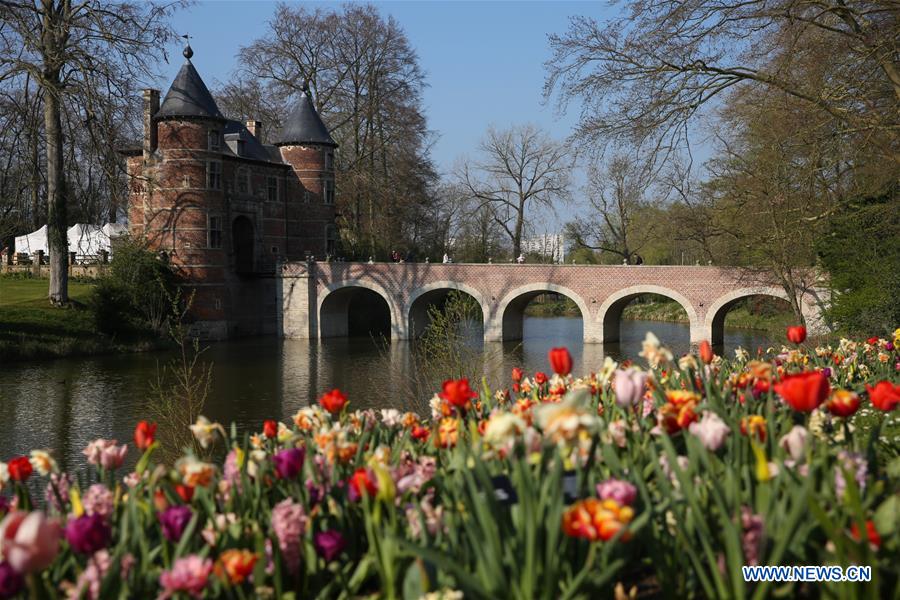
point(214, 140)
point(240, 147)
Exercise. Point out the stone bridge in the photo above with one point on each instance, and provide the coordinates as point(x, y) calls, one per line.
point(321, 300)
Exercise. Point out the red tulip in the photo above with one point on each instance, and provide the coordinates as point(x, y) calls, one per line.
point(884, 396)
point(457, 392)
point(796, 334)
point(20, 468)
point(420, 433)
point(804, 391)
point(185, 492)
point(560, 361)
point(540, 378)
point(872, 341)
point(706, 352)
point(270, 428)
point(843, 403)
point(144, 435)
point(517, 374)
point(871, 533)
point(333, 401)
point(361, 483)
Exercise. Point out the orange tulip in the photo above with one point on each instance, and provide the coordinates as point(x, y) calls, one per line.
point(706, 352)
point(594, 519)
point(236, 565)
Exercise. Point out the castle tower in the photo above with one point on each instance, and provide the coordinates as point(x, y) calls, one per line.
point(225, 208)
point(306, 145)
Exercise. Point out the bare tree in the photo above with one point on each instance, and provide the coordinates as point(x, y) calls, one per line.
point(647, 74)
point(617, 195)
point(367, 83)
point(90, 50)
point(518, 171)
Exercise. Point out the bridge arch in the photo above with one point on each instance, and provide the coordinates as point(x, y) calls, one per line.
point(714, 324)
point(421, 298)
point(341, 303)
point(509, 318)
point(610, 313)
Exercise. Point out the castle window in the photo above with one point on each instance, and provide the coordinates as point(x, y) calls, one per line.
point(329, 161)
point(306, 196)
point(330, 238)
point(214, 175)
point(243, 181)
point(214, 140)
point(272, 188)
point(215, 232)
point(329, 191)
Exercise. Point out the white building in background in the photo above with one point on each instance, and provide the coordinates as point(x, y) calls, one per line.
point(549, 245)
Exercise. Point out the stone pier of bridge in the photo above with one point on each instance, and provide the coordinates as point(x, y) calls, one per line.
point(320, 300)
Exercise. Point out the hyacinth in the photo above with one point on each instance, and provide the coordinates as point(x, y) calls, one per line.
point(98, 499)
point(854, 464)
point(615, 489)
point(751, 540)
point(289, 522)
point(57, 491)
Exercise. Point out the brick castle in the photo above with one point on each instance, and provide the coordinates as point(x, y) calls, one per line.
point(224, 207)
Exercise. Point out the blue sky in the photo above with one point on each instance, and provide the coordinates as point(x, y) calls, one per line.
point(483, 60)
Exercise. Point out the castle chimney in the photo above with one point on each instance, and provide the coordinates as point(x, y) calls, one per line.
point(151, 107)
point(255, 129)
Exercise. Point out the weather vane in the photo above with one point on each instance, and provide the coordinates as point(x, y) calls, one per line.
point(188, 52)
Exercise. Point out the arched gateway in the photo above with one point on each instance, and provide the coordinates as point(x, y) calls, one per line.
point(316, 297)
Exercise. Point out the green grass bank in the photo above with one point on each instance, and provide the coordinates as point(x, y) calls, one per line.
point(32, 329)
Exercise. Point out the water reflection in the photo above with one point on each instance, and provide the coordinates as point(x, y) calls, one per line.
point(65, 403)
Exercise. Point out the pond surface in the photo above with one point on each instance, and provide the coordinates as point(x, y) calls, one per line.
point(63, 404)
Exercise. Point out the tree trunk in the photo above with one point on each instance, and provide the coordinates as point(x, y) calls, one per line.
point(56, 201)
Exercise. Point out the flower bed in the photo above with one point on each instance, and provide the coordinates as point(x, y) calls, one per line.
point(656, 481)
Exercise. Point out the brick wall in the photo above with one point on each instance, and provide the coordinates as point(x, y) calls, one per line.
point(601, 292)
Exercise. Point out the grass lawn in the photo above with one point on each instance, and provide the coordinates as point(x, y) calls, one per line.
point(30, 328)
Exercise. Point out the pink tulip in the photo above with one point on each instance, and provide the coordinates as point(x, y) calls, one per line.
point(29, 541)
point(106, 453)
point(189, 575)
point(629, 386)
point(710, 430)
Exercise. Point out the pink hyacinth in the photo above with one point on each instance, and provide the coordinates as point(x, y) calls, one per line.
point(98, 499)
point(711, 430)
point(621, 491)
point(289, 522)
point(856, 465)
point(189, 574)
point(751, 541)
point(105, 453)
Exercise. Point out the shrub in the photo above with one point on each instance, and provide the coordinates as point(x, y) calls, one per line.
point(136, 292)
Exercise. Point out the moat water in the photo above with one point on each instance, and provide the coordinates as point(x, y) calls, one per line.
point(63, 404)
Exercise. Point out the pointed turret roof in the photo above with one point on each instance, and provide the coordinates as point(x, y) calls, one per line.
point(304, 125)
point(188, 96)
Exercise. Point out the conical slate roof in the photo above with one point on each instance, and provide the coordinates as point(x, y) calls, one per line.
point(304, 125)
point(189, 96)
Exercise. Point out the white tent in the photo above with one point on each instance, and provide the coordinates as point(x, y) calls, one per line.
point(84, 240)
point(34, 241)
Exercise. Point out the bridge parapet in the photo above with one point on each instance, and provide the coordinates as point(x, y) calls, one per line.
point(312, 294)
